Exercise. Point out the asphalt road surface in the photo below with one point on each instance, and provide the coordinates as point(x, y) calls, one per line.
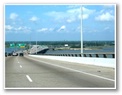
point(29, 72)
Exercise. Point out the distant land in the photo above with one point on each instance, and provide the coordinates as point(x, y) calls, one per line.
point(87, 45)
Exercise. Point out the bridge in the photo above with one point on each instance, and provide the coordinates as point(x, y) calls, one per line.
point(38, 49)
point(47, 71)
point(37, 69)
point(98, 55)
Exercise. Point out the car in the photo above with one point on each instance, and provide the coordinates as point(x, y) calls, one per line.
point(9, 54)
point(6, 54)
point(15, 54)
point(21, 54)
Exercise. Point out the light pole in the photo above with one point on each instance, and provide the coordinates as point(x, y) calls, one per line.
point(36, 42)
point(81, 13)
point(30, 44)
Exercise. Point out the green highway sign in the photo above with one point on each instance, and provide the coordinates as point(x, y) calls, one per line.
point(12, 45)
point(20, 45)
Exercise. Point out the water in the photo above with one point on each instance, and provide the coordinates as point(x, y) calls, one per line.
point(108, 49)
point(9, 50)
point(105, 50)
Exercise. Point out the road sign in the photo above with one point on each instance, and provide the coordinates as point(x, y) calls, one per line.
point(12, 45)
point(22, 45)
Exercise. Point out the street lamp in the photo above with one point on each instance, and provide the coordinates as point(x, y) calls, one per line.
point(36, 42)
point(81, 13)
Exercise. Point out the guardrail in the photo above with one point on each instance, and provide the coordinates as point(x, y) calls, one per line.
point(99, 55)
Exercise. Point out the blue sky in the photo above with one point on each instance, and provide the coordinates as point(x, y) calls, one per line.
point(59, 22)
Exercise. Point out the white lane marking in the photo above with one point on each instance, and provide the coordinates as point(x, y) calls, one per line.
point(20, 66)
point(75, 70)
point(17, 59)
point(28, 77)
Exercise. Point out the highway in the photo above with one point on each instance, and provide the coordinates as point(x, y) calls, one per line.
point(29, 72)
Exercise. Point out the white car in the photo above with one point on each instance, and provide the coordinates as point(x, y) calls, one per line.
point(15, 54)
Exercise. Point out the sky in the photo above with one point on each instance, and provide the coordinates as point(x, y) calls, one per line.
point(59, 22)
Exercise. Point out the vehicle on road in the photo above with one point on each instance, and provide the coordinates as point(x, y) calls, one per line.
point(9, 54)
point(6, 54)
point(21, 54)
point(15, 54)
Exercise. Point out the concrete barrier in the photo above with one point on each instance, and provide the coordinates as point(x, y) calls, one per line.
point(109, 62)
point(100, 55)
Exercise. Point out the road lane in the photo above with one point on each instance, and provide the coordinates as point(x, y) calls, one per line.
point(92, 69)
point(14, 76)
point(45, 75)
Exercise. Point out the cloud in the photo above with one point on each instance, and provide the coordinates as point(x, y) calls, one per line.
point(106, 28)
point(8, 27)
point(13, 16)
point(43, 30)
point(77, 12)
point(33, 19)
point(70, 20)
point(19, 29)
point(105, 17)
point(71, 15)
point(85, 16)
point(105, 14)
point(86, 13)
point(61, 28)
point(22, 29)
point(51, 29)
point(26, 29)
